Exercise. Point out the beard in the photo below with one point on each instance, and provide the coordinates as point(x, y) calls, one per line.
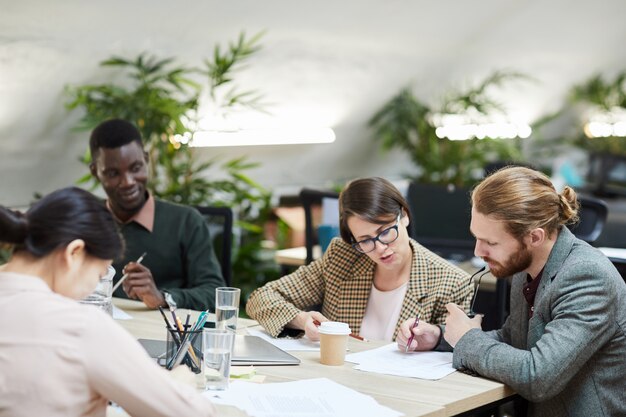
point(517, 262)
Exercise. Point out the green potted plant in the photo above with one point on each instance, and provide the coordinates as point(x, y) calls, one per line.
point(602, 106)
point(594, 114)
point(407, 123)
point(163, 99)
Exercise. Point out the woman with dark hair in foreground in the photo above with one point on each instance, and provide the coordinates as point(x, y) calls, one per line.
point(61, 358)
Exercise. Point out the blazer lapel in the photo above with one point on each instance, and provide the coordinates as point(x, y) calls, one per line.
point(355, 292)
point(416, 291)
point(561, 249)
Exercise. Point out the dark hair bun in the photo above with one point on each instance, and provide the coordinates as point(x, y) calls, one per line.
point(13, 226)
point(59, 218)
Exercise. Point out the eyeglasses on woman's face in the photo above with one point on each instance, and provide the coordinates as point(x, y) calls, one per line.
point(387, 236)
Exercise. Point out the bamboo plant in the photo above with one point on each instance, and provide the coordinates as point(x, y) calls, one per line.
point(406, 122)
point(163, 98)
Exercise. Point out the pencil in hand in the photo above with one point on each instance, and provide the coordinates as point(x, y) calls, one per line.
point(126, 275)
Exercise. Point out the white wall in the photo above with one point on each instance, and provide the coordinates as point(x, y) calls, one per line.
point(325, 62)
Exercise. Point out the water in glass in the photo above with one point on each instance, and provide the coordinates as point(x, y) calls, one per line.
point(226, 317)
point(101, 301)
point(216, 368)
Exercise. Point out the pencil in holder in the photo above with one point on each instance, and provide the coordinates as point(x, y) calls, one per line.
point(184, 348)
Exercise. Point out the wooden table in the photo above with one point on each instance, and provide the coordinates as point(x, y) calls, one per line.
point(454, 394)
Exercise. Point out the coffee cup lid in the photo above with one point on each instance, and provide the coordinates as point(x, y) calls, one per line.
point(334, 327)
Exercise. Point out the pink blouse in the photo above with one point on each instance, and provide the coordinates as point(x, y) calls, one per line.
point(61, 358)
point(382, 313)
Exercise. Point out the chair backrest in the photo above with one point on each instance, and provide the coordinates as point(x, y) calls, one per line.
point(440, 219)
point(593, 213)
point(220, 223)
point(310, 198)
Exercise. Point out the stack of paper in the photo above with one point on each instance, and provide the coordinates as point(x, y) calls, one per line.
point(318, 397)
point(390, 360)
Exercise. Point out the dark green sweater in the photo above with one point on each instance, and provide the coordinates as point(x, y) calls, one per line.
point(179, 254)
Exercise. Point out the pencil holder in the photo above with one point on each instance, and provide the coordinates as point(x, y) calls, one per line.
point(184, 348)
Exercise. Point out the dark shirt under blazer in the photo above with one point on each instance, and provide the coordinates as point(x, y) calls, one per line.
point(569, 359)
point(341, 282)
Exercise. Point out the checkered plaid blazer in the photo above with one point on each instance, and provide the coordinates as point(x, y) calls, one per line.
point(341, 282)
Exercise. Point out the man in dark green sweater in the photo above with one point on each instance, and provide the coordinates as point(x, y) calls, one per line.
point(180, 268)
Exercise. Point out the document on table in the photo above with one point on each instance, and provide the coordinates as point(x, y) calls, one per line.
point(319, 397)
point(285, 343)
point(119, 314)
point(390, 360)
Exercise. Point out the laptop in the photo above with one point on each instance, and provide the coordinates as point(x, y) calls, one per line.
point(249, 350)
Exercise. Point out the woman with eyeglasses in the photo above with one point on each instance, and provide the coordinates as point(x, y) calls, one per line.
point(374, 278)
point(59, 357)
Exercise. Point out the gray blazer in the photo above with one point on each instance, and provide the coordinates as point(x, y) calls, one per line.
point(569, 359)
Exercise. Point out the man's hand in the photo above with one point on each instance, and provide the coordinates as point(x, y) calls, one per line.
point(305, 320)
point(457, 323)
point(139, 285)
point(426, 336)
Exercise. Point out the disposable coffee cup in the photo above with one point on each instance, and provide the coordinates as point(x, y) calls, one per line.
point(333, 342)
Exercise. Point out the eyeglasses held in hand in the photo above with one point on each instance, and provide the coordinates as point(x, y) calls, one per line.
point(387, 236)
point(485, 268)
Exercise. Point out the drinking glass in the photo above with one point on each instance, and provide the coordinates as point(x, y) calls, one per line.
point(101, 295)
point(218, 348)
point(226, 308)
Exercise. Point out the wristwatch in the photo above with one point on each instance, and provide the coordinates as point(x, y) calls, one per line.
point(169, 300)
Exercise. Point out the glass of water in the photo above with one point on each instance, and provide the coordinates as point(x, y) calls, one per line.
point(101, 295)
point(218, 346)
point(226, 308)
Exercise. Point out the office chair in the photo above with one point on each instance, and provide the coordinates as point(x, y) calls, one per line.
point(309, 198)
point(220, 223)
point(593, 213)
point(440, 220)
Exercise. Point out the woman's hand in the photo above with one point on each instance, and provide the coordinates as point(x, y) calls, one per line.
point(425, 336)
point(308, 321)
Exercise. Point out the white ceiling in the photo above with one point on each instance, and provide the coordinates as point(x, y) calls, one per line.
point(325, 63)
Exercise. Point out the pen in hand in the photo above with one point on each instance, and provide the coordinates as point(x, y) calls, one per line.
point(126, 275)
point(415, 324)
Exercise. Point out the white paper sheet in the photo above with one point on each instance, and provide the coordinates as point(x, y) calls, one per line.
point(390, 360)
point(301, 344)
point(319, 397)
point(119, 314)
